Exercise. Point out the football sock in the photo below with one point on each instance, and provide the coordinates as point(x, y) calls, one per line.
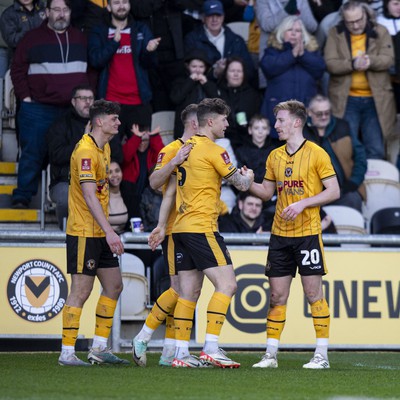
point(71, 317)
point(216, 312)
point(321, 319)
point(168, 348)
point(210, 343)
point(170, 326)
point(164, 305)
point(183, 318)
point(181, 349)
point(99, 342)
point(276, 319)
point(272, 346)
point(104, 316)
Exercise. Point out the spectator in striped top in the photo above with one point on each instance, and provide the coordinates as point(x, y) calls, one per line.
point(49, 62)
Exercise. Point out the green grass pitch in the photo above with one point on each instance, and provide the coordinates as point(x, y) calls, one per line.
point(353, 375)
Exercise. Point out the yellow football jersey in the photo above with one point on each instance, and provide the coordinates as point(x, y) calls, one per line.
point(199, 186)
point(298, 176)
point(89, 163)
point(166, 154)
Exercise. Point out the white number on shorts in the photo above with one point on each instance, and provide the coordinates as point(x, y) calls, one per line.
point(312, 255)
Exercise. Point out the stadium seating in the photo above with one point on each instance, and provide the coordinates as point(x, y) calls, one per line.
point(383, 187)
point(135, 295)
point(166, 121)
point(386, 221)
point(347, 220)
point(241, 28)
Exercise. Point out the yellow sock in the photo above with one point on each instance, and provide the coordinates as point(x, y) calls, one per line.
point(164, 305)
point(104, 316)
point(71, 317)
point(216, 312)
point(321, 318)
point(276, 319)
point(170, 327)
point(183, 319)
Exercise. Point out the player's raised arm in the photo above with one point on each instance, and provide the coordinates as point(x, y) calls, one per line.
point(160, 176)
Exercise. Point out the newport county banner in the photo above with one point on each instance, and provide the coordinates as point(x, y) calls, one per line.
point(34, 285)
point(362, 289)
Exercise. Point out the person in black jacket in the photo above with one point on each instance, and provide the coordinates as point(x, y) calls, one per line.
point(193, 87)
point(243, 99)
point(62, 137)
point(246, 217)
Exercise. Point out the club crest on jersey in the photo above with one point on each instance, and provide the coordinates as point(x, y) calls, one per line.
point(90, 264)
point(86, 164)
point(160, 158)
point(288, 172)
point(225, 157)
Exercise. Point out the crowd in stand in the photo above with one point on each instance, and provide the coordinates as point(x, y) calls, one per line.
point(341, 58)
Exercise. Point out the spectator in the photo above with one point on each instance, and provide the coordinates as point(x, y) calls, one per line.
point(193, 87)
point(253, 43)
point(19, 18)
point(243, 100)
point(48, 64)
point(150, 208)
point(247, 217)
point(391, 21)
point(62, 136)
point(347, 154)
point(270, 13)
point(123, 204)
point(164, 19)
point(254, 153)
point(122, 50)
point(218, 41)
point(327, 224)
point(4, 57)
point(292, 65)
point(321, 9)
point(140, 155)
point(359, 54)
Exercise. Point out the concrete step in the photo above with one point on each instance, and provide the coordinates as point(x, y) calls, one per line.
point(14, 215)
point(6, 189)
point(8, 168)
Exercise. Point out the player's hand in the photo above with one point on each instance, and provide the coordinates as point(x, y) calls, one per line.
point(156, 237)
point(292, 211)
point(115, 243)
point(247, 172)
point(182, 154)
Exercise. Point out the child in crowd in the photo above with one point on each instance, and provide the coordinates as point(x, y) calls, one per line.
point(254, 153)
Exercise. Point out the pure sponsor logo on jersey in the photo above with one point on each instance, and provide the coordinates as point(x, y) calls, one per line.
point(225, 157)
point(291, 188)
point(37, 290)
point(86, 164)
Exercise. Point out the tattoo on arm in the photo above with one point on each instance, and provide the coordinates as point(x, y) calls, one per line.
point(240, 182)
